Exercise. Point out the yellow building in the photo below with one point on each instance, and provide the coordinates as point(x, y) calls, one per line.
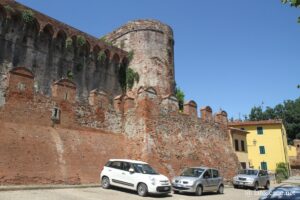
point(238, 138)
point(266, 143)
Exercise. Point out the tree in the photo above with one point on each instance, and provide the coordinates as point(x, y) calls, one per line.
point(293, 3)
point(180, 97)
point(256, 114)
point(288, 111)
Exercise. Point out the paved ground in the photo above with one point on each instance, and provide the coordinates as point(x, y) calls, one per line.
point(119, 194)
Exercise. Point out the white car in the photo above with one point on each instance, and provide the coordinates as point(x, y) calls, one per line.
point(134, 175)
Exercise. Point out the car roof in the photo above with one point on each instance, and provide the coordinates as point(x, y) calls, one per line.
point(128, 160)
point(202, 167)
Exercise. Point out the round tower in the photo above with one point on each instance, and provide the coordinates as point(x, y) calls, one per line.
point(152, 45)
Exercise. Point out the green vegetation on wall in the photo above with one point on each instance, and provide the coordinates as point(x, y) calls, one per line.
point(130, 55)
point(180, 97)
point(69, 43)
point(70, 74)
point(8, 8)
point(131, 78)
point(81, 40)
point(28, 16)
point(101, 57)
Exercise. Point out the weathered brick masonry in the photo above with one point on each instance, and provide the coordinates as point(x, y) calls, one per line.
point(57, 130)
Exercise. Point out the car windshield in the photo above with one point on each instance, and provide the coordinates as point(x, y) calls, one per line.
point(144, 169)
point(192, 172)
point(248, 172)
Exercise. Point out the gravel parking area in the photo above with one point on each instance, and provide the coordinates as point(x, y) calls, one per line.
point(119, 194)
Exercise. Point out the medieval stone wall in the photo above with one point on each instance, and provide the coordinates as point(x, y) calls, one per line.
point(41, 46)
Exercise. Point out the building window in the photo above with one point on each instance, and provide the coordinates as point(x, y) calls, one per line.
point(260, 130)
point(264, 166)
point(236, 145)
point(243, 145)
point(262, 150)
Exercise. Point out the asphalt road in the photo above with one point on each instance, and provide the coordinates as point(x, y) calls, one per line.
point(120, 194)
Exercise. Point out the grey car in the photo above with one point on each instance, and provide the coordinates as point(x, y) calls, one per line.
point(252, 178)
point(198, 180)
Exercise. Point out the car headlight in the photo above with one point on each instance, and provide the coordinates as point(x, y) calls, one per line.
point(152, 180)
point(250, 179)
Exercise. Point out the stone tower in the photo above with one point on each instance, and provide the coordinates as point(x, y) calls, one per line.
point(152, 45)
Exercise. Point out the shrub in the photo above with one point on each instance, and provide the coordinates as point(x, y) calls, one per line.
point(282, 172)
point(81, 40)
point(28, 16)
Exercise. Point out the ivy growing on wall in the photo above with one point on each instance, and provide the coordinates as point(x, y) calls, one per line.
point(130, 55)
point(81, 40)
point(131, 78)
point(69, 43)
point(104, 40)
point(101, 57)
point(28, 16)
point(9, 9)
point(70, 74)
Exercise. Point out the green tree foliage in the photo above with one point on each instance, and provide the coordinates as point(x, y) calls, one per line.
point(180, 97)
point(293, 3)
point(288, 111)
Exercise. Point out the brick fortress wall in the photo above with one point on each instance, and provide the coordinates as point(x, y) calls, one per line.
point(54, 130)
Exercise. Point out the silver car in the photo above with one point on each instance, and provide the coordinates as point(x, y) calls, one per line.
point(198, 180)
point(252, 178)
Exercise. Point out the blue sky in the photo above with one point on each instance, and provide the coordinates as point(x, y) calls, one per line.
point(228, 54)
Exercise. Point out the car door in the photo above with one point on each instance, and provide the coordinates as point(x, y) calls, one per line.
point(115, 171)
point(262, 178)
point(128, 179)
point(215, 180)
point(207, 180)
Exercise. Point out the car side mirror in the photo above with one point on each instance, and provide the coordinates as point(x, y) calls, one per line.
point(131, 171)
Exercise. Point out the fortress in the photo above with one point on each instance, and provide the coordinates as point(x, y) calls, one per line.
point(66, 108)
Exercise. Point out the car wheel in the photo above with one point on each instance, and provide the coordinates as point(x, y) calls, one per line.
point(255, 186)
point(235, 186)
point(199, 190)
point(267, 186)
point(142, 189)
point(105, 182)
point(221, 189)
